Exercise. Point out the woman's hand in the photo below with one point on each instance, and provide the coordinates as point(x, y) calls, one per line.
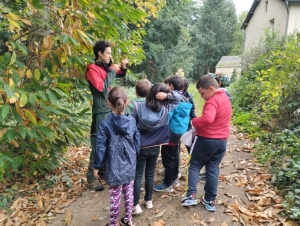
point(124, 63)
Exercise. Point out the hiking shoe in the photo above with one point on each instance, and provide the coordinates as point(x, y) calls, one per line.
point(209, 205)
point(126, 223)
point(176, 183)
point(163, 188)
point(189, 200)
point(95, 186)
point(148, 204)
point(137, 210)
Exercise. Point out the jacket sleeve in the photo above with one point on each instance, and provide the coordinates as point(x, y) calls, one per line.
point(101, 147)
point(208, 116)
point(137, 141)
point(134, 113)
point(96, 78)
point(174, 99)
point(121, 73)
point(192, 112)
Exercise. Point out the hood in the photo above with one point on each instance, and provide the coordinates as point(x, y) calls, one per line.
point(150, 119)
point(123, 124)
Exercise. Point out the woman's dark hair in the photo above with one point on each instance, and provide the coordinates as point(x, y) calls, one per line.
point(151, 101)
point(100, 46)
point(118, 97)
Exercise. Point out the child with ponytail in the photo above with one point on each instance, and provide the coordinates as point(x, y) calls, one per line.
point(118, 143)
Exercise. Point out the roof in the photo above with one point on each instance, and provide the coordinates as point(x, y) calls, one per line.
point(230, 62)
point(250, 14)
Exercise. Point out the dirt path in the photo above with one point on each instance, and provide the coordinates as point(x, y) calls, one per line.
point(93, 208)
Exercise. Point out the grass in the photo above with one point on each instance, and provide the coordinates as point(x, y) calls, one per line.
point(198, 101)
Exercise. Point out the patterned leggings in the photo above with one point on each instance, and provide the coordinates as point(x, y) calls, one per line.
point(115, 201)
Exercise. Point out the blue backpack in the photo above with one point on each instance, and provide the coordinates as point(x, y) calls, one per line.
point(180, 117)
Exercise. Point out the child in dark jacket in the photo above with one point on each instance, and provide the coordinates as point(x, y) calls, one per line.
point(118, 142)
point(178, 125)
point(153, 123)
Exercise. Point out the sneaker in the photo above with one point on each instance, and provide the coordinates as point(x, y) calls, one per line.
point(176, 183)
point(148, 204)
point(163, 188)
point(189, 200)
point(95, 186)
point(209, 205)
point(137, 210)
point(126, 223)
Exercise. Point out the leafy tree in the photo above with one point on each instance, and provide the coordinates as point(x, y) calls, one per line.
point(44, 99)
point(239, 36)
point(166, 42)
point(212, 34)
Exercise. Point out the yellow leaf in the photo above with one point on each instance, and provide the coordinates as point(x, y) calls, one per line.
point(29, 73)
point(26, 21)
point(37, 74)
point(14, 143)
point(68, 217)
point(13, 58)
point(91, 15)
point(12, 25)
point(11, 82)
point(35, 173)
point(21, 73)
point(63, 57)
point(82, 33)
point(23, 100)
point(30, 115)
point(14, 98)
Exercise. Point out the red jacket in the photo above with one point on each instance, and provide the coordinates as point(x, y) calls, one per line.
point(96, 75)
point(215, 119)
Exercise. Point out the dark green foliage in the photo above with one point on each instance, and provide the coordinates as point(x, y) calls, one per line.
point(166, 43)
point(212, 34)
point(266, 105)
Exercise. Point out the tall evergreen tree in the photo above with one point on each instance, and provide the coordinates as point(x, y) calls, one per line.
point(239, 36)
point(213, 34)
point(166, 42)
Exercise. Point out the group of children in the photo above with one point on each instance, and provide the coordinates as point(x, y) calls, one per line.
point(130, 139)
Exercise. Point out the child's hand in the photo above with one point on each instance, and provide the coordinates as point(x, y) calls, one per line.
point(96, 173)
point(161, 96)
point(114, 67)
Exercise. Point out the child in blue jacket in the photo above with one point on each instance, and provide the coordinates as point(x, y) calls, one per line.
point(118, 142)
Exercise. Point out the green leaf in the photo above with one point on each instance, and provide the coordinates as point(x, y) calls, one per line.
point(23, 100)
point(11, 135)
point(22, 131)
point(32, 98)
point(61, 3)
point(5, 110)
point(45, 130)
point(7, 57)
point(36, 4)
point(17, 117)
point(43, 95)
point(30, 116)
point(22, 48)
point(52, 96)
point(8, 90)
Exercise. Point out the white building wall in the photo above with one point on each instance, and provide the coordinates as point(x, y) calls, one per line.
point(272, 15)
point(294, 18)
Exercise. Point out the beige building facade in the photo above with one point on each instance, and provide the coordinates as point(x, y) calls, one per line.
point(228, 64)
point(277, 15)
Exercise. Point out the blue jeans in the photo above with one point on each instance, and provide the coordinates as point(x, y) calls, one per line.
point(145, 160)
point(209, 153)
